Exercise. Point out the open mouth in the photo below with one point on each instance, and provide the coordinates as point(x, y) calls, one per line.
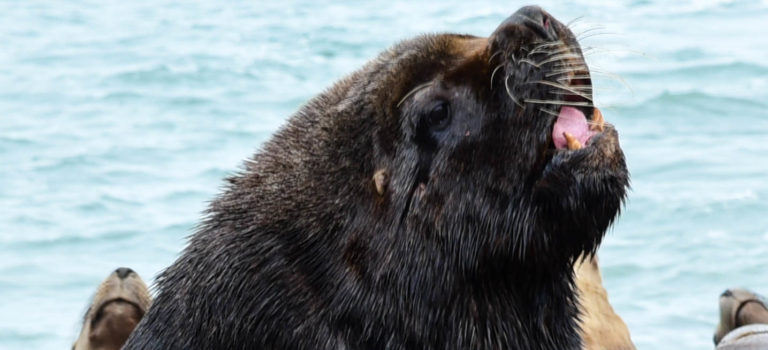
point(572, 129)
point(577, 121)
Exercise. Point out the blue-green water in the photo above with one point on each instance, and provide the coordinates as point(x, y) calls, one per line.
point(118, 120)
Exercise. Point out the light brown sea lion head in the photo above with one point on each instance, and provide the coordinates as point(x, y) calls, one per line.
point(740, 307)
point(120, 302)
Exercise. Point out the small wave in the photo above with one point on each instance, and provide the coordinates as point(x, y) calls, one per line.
point(169, 101)
point(70, 240)
point(105, 203)
point(183, 195)
point(724, 70)
point(699, 100)
point(123, 96)
point(166, 75)
point(11, 336)
point(67, 163)
point(688, 54)
point(15, 142)
point(693, 8)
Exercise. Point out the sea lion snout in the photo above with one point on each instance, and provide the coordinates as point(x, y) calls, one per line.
point(120, 302)
point(528, 25)
point(123, 272)
point(535, 19)
point(545, 71)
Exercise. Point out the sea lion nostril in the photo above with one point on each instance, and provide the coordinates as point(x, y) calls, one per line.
point(123, 272)
point(727, 293)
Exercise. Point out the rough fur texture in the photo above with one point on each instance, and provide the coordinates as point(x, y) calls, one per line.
point(471, 245)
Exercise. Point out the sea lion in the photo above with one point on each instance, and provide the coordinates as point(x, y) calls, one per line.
point(743, 321)
point(467, 241)
point(750, 337)
point(120, 302)
point(601, 328)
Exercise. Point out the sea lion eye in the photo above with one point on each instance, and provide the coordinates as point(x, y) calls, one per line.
point(439, 117)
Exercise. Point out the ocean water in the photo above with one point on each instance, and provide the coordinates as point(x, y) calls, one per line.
point(119, 119)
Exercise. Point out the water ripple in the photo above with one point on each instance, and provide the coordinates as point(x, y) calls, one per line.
point(119, 120)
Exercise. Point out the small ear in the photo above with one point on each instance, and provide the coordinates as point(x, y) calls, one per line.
point(381, 180)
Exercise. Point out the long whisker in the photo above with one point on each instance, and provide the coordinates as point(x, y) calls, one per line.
point(562, 103)
point(565, 93)
point(506, 85)
point(613, 76)
point(555, 72)
point(574, 66)
point(549, 112)
point(494, 73)
point(581, 38)
point(595, 50)
point(598, 27)
point(583, 76)
point(415, 90)
point(494, 55)
point(593, 72)
point(525, 60)
point(588, 88)
point(565, 49)
point(543, 46)
point(566, 88)
point(538, 52)
point(573, 21)
point(559, 57)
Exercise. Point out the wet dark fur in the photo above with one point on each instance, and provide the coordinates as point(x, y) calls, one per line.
point(471, 246)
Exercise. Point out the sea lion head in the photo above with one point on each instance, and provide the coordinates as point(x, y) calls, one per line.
point(481, 148)
point(450, 143)
point(740, 307)
point(120, 302)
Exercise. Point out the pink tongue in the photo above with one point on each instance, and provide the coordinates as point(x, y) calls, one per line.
point(572, 121)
